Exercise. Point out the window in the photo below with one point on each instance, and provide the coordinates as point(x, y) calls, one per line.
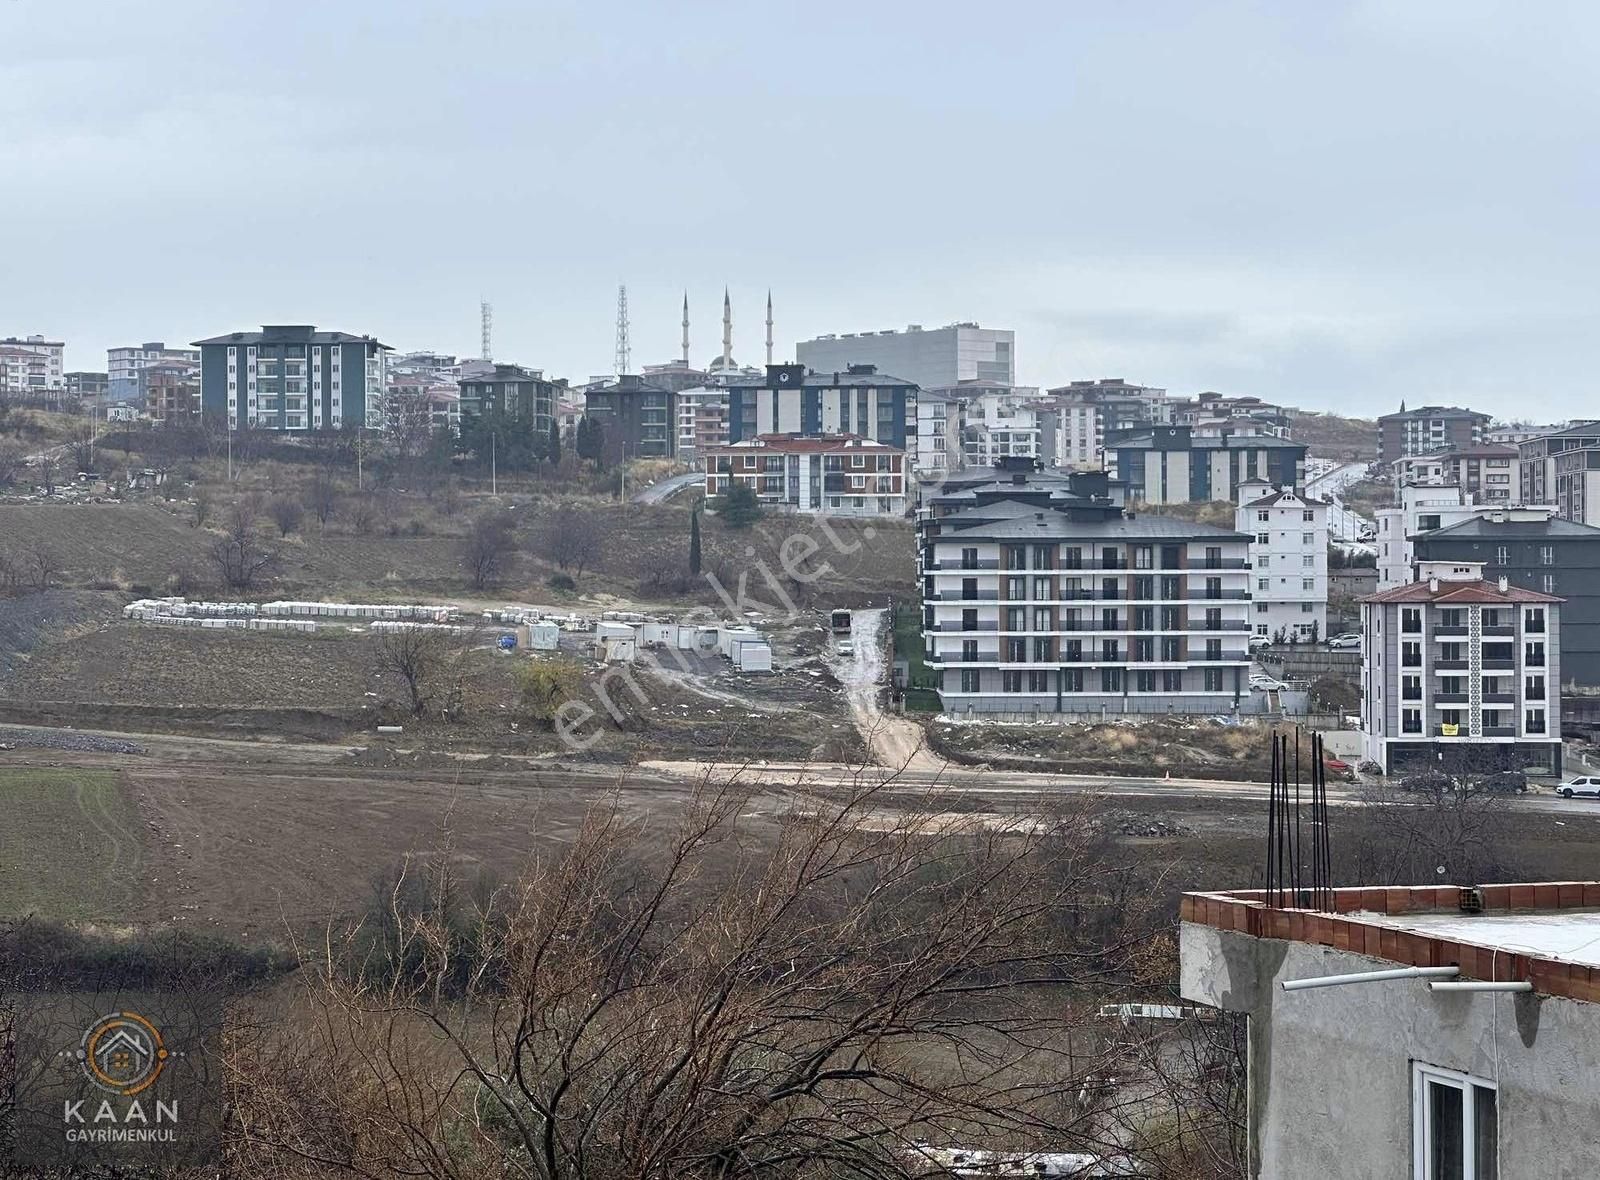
point(1041, 557)
point(1533, 687)
point(1041, 650)
point(1041, 618)
point(969, 680)
point(1263, 538)
point(1213, 557)
point(1144, 650)
point(969, 588)
point(1172, 681)
point(1533, 620)
point(969, 559)
point(1533, 654)
point(1308, 561)
point(969, 620)
point(1144, 587)
point(969, 651)
point(1547, 554)
point(1263, 516)
point(1549, 583)
point(1108, 619)
point(1308, 538)
point(1261, 608)
point(1010, 681)
point(1410, 688)
point(1213, 679)
point(1110, 679)
point(1214, 649)
point(1110, 651)
point(1213, 587)
point(1534, 721)
point(1265, 562)
point(1309, 516)
point(1016, 588)
point(1501, 555)
point(1455, 1126)
point(1308, 584)
point(1171, 586)
point(1038, 682)
point(1263, 583)
point(1411, 619)
point(1144, 682)
point(1041, 589)
point(1016, 651)
point(1143, 557)
point(1072, 680)
point(1410, 720)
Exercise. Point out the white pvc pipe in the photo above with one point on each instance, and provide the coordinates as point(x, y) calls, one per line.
point(1295, 985)
point(1483, 985)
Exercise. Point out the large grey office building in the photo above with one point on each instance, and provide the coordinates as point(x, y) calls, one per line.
point(929, 358)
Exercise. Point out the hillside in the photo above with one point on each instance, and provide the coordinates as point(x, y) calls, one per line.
point(1333, 436)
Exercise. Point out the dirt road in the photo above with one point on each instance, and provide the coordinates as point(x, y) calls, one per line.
point(893, 741)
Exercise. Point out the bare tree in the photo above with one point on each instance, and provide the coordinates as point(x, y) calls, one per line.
point(322, 494)
point(200, 510)
point(82, 446)
point(47, 472)
point(363, 513)
point(697, 999)
point(13, 461)
point(242, 560)
point(429, 661)
point(573, 538)
point(41, 564)
point(287, 513)
point(489, 549)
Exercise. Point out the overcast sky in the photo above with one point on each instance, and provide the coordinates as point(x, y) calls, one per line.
point(1333, 205)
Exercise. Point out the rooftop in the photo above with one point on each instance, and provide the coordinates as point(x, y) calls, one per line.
point(289, 333)
point(1476, 592)
point(1487, 527)
point(798, 444)
point(1033, 521)
point(1545, 932)
point(1436, 412)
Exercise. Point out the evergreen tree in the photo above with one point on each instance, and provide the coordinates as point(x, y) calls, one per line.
point(694, 541)
point(553, 447)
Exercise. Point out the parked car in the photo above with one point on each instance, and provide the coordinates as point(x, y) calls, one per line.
point(846, 648)
point(1261, 682)
point(1344, 642)
point(1504, 782)
point(1257, 642)
point(1339, 768)
point(1433, 781)
point(1585, 785)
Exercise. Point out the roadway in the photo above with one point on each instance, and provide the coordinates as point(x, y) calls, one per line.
point(657, 492)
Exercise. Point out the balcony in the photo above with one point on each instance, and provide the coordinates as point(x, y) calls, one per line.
point(1501, 731)
point(983, 563)
point(1227, 563)
point(1447, 665)
point(1226, 625)
point(1450, 698)
point(1501, 629)
point(1499, 698)
point(1497, 665)
point(1450, 631)
point(1222, 596)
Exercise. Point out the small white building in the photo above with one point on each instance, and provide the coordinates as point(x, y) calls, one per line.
point(1289, 561)
point(998, 424)
point(1424, 508)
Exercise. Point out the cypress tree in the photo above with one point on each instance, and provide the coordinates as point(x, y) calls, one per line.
point(553, 448)
point(694, 541)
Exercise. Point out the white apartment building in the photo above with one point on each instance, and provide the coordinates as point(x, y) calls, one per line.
point(1461, 673)
point(701, 411)
point(939, 442)
point(1425, 507)
point(1289, 560)
point(1487, 473)
point(20, 372)
point(1040, 595)
point(998, 424)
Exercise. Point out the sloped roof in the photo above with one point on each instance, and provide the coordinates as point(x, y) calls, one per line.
point(1474, 593)
point(1487, 529)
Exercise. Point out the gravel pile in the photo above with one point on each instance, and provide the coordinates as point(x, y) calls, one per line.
point(65, 739)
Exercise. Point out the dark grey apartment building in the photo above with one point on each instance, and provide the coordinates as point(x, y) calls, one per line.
point(1042, 594)
point(1563, 469)
point(793, 399)
point(1176, 465)
point(512, 391)
point(640, 419)
point(293, 378)
point(1428, 429)
point(1550, 556)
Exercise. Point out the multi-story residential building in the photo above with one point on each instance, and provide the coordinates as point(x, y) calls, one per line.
point(928, 358)
point(1042, 594)
point(123, 364)
point(1428, 430)
point(1076, 419)
point(1173, 465)
point(835, 475)
point(1534, 549)
point(997, 423)
point(1288, 559)
point(86, 386)
point(702, 421)
point(1212, 413)
point(938, 434)
point(1564, 469)
point(1457, 1077)
point(641, 420)
point(513, 392)
point(293, 378)
point(1461, 672)
point(51, 376)
point(1510, 434)
point(418, 402)
point(32, 366)
point(1487, 473)
point(1423, 508)
point(169, 390)
point(792, 399)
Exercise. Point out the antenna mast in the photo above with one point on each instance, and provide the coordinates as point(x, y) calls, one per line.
point(486, 312)
point(686, 329)
point(623, 351)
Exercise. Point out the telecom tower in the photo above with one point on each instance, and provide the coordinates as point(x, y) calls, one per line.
point(486, 314)
point(623, 350)
point(769, 326)
point(686, 329)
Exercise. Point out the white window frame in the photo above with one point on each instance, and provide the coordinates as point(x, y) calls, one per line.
point(1422, 1074)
